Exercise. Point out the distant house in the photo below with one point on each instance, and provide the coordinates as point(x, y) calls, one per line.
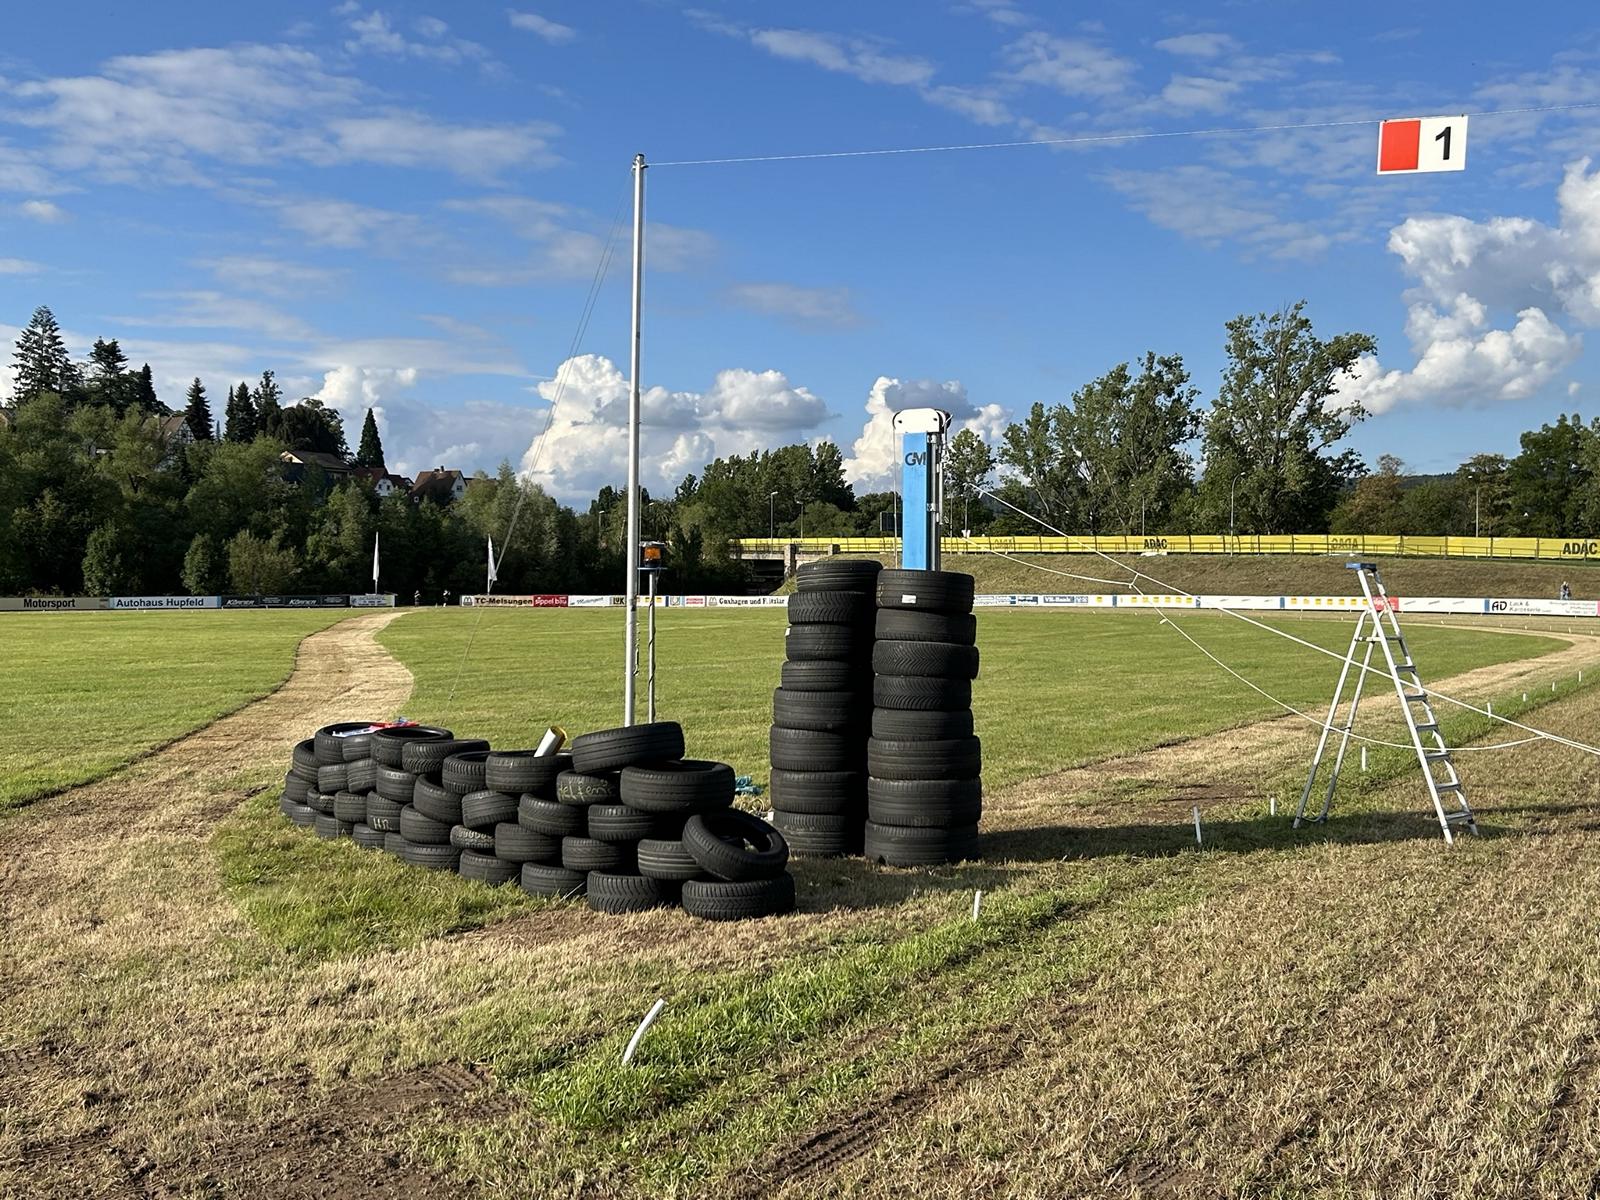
point(176, 433)
point(382, 482)
point(298, 464)
point(5, 418)
point(438, 485)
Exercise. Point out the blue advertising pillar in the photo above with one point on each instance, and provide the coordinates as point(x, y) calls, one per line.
point(921, 437)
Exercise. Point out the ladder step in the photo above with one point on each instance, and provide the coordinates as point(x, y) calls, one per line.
point(1416, 697)
point(1449, 787)
point(1463, 817)
point(1436, 755)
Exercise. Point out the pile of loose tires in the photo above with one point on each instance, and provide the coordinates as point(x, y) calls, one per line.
point(822, 710)
point(624, 819)
point(924, 766)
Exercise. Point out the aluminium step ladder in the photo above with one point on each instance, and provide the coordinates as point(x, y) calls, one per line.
point(1378, 627)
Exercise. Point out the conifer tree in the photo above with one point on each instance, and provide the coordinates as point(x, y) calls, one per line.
point(241, 414)
point(370, 452)
point(197, 414)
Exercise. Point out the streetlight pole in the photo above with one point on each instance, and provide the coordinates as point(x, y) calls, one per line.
point(1476, 493)
point(772, 516)
point(1231, 486)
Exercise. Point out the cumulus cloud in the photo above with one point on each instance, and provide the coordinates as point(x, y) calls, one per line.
point(1465, 273)
point(19, 266)
point(587, 442)
point(873, 464)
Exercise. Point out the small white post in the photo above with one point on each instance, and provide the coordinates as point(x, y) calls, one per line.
point(1363, 760)
point(1272, 805)
point(977, 903)
point(649, 1020)
point(1488, 707)
point(1197, 838)
point(1552, 685)
point(1524, 697)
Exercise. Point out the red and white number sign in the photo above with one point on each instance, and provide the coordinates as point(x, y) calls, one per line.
point(1414, 144)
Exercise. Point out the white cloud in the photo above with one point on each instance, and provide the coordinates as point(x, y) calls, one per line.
point(1001, 12)
point(1199, 45)
point(864, 60)
point(174, 113)
point(553, 32)
point(42, 211)
point(200, 309)
point(19, 266)
point(805, 306)
point(1071, 66)
point(374, 33)
point(1211, 206)
point(586, 446)
point(569, 243)
point(345, 225)
point(1465, 271)
point(412, 140)
point(271, 276)
point(873, 465)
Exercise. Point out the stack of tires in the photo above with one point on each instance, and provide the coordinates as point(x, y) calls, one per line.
point(624, 818)
point(822, 709)
point(924, 791)
point(621, 830)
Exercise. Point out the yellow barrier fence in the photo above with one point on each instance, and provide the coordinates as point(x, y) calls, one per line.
point(1567, 548)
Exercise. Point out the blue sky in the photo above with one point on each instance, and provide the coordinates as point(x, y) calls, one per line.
point(403, 205)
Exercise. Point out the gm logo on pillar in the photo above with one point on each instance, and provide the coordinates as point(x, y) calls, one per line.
point(1413, 145)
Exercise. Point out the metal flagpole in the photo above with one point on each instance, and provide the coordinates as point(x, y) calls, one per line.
point(374, 562)
point(630, 659)
point(650, 652)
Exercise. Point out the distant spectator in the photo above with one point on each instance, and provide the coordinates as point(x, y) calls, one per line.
point(416, 598)
point(1566, 590)
point(447, 597)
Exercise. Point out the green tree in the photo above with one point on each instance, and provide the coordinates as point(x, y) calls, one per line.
point(1436, 508)
point(1548, 482)
point(1046, 472)
point(269, 406)
point(310, 425)
point(241, 415)
point(144, 393)
point(205, 567)
point(260, 565)
point(41, 363)
point(1277, 423)
point(1374, 505)
point(370, 452)
point(197, 413)
point(968, 469)
point(110, 382)
point(339, 546)
point(1487, 490)
point(103, 570)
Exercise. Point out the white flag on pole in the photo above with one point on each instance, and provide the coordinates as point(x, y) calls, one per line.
point(492, 576)
point(374, 561)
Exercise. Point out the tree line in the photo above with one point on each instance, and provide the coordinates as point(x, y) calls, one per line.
point(100, 494)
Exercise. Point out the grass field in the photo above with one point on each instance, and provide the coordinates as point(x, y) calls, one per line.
point(256, 1013)
point(1273, 575)
point(88, 692)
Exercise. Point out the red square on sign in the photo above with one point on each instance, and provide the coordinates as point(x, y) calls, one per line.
point(1399, 145)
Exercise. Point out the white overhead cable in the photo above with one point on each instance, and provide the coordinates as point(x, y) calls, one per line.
point(1094, 138)
point(1538, 734)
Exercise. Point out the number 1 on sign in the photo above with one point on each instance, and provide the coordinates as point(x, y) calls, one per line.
point(1414, 145)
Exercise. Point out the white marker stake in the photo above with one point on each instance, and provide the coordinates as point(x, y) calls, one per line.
point(1272, 805)
point(1524, 697)
point(1363, 760)
point(977, 903)
point(1488, 707)
point(649, 1020)
point(1197, 840)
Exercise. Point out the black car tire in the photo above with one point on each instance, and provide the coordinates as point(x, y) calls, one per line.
point(839, 575)
point(388, 745)
point(463, 838)
point(518, 771)
point(464, 773)
point(332, 777)
point(633, 745)
point(383, 814)
point(331, 827)
point(350, 806)
point(437, 802)
point(735, 846)
point(580, 791)
point(910, 625)
point(832, 643)
point(831, 608)
point(615, 892)
point(947, 758)
point(826, 675)
point(395, 784)
point(902, 846)
point(719, 900)
point(541, 879)
point(425, 756)
point(809, 750)
point(550, 818)
point(660, 858)
point(367, 837)
point(423, 830)
point(824, 712)
point(486, 868)
point(484, 810)
point(823, 792)
point(690, 786)
point(916, 725)
point(587, 854)
point(429, 856)
point(921, 693)
point(330, 746)
point(518, 844)
point(926, 591)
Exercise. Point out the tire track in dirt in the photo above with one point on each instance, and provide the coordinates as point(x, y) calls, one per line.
point(124, 861)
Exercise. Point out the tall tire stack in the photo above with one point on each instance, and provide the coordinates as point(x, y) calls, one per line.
point(822, 709)
point(924, 766)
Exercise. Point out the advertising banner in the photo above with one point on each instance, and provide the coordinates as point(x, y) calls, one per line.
point(1541, 608)
point(588, 601)
point(291, 601)
point(243, 602)
point(371, 600)
point(540, 601)
point(747, 601)
point(52, 603)
point(164, 602)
